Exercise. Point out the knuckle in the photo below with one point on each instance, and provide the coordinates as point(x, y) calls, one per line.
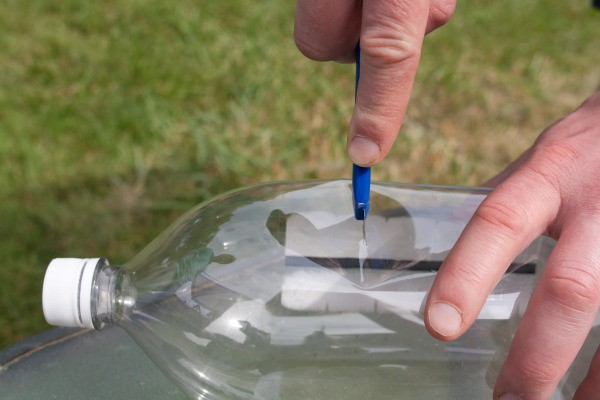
point(440, 11)
point(389, 47)
point(562, 163)
point(545, 173)
point(573, 286)
point(511, 220)
point(555, 150)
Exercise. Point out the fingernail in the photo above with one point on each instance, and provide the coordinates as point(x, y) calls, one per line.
point(508, 396)
point(363, 150)
point(444, 318)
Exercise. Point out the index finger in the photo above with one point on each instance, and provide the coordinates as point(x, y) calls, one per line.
point(391, 38)
point(507, 221)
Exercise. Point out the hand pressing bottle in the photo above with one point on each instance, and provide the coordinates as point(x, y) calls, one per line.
point(552, 188)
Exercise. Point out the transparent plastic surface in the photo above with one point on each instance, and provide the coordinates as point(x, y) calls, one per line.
point(274, 292)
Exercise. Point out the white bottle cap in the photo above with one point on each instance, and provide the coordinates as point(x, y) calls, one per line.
point(67, 292)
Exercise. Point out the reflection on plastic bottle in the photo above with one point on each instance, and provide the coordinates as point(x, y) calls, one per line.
point(263, 293)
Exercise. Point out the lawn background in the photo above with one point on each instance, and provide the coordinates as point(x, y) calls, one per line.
point(117, 116)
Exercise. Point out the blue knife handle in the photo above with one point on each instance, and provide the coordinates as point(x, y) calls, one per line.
point(361, 176)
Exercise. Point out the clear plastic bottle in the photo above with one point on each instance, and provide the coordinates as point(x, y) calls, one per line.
point(267, 293)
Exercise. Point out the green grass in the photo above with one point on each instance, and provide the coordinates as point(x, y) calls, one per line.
point(117, 116)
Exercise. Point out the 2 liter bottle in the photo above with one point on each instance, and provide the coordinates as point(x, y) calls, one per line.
point(261, 293)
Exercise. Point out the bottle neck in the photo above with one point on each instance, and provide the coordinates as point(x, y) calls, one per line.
point(113, 295)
